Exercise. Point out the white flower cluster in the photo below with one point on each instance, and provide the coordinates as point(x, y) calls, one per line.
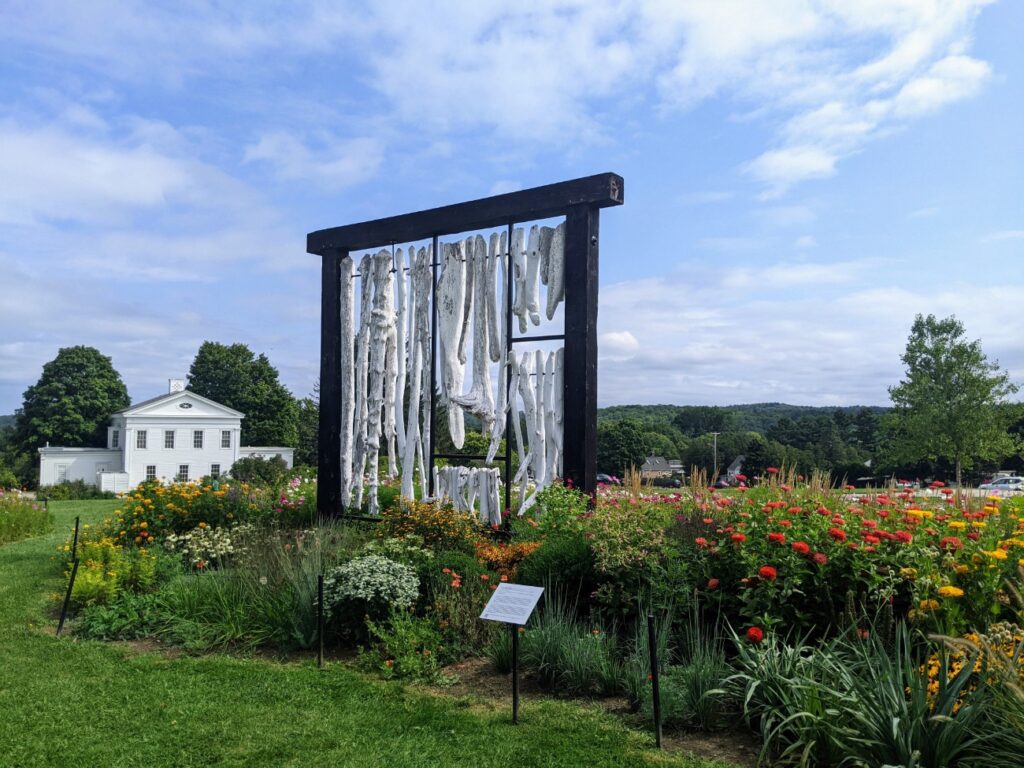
point(373, 580)
point(205, 547)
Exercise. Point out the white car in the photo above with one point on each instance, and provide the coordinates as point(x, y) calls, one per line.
point(1004, 485)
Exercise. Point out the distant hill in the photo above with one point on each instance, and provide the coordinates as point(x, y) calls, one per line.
point(751, 417)
point(6, 421)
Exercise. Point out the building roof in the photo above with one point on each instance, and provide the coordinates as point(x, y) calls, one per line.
point(656, 464)
point(185, 394)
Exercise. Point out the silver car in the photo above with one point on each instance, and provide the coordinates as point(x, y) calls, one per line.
point(1004, 485)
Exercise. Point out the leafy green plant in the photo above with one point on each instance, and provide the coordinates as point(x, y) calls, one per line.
point(74, 490)
point(21, 517)
point(405, 646)
point(128, 617)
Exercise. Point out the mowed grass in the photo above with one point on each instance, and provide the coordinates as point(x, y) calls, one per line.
point(65, 702)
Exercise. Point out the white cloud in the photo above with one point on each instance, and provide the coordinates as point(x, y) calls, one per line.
point(1003, 236)
point(708, 338)
point(780, 168)
point(829, 74)
point(805, 241)
point(618, 343)
point(335, 162)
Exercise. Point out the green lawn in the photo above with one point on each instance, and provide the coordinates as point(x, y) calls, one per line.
point(69, 703)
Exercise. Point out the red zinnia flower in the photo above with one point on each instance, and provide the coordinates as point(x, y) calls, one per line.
point(820, 558)
point(903, 536)
point(951, 543)
point(712, 583)
point(701, 541)
point(777, 538)
point(755, 634)
point(768, 573)
point(837, 534)
point(739, 538)
point(801, 547)
point(772, 470)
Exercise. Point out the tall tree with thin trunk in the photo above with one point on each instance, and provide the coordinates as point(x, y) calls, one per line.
point(947, 406)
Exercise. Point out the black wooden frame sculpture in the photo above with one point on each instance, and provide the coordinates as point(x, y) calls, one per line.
point(580, 201)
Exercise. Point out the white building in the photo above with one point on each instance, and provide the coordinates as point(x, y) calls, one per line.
point(177, 436)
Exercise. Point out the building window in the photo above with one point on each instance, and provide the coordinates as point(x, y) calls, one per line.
point(140, 439)
point(197, 439)
point(183, 473)
point(151, 472)
point(115, 439)
point(169, 438)
point(225, 438)
point(62, 473)
point(215, 470)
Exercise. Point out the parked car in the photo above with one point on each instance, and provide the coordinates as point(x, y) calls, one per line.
point(1004, 485)
point(667, 482)
point(607, 479)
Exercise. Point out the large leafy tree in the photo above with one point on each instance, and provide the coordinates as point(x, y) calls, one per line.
point(948, 404)
point(235, 377)
point(620, 445)
point(70, 405)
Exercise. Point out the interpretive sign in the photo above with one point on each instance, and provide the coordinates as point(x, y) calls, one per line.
point(512, 603)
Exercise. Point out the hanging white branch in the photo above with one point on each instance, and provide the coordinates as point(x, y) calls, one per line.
point(348, 376)
point(401, 347)
point(451, 301)
point(480, 399)
point(556, 270)
point(362, 373)
point(531, 287)
point(381, 324)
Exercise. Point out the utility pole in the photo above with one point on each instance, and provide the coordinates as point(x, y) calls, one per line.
point(714, 476)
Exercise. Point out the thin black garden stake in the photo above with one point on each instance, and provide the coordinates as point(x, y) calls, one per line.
point(67, 596)
point(320, 620)
point(515, 673)
point(652, 643)
point(74, 543)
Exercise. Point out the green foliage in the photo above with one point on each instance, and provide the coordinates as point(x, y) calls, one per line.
point(235, 377)
point(947, 405)
point(74, 490)
point(697, 420)
point(70, 405)
point(307, 431)
point(564, 653)
point(21, 517)
point(620, 445)
point(269, 473)
point(458, 586)
point(8, 480)
point(129, 617)
point(404, 646)
point(563, 563)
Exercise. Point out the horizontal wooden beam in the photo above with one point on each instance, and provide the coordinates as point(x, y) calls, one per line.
point(600, 191)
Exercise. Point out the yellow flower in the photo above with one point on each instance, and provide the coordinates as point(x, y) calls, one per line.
point(950, 591)
point(978, 524)
point(957, 525)
point(963, 569)
point(908, 573)
point(997, 554)
point(929, 605)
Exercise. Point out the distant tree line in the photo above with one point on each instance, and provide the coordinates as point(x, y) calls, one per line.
point(950, 416)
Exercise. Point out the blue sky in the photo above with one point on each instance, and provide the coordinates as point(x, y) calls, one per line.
point(802, 176)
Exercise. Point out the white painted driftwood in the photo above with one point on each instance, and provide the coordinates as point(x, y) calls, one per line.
point(362, 374)
point(451, 300)
point(381, 326)
point(402, 281)
point(556, 270)
point(480, 399)
point(348, 376)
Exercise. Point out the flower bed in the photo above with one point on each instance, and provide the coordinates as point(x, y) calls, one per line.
point(21, 517)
